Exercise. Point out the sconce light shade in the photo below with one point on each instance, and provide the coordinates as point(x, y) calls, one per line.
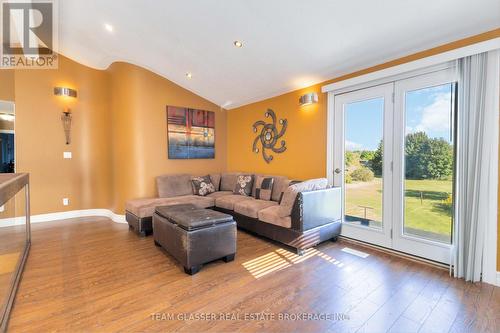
point(307, 99)
point(62, 91)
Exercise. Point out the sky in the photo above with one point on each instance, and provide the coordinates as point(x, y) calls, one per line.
point(427, 110)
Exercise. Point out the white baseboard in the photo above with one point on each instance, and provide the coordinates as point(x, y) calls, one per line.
point(20, 220)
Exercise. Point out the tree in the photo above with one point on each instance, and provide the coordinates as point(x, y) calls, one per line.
point(439, 160)
point(376, 162)
point(362, 175)
point(351, 158)
point(427, 158)
point(367, 155)
point(415, 146)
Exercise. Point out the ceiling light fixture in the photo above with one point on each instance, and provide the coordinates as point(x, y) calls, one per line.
point(238, 43)
point(189, 75)
point(108, 27)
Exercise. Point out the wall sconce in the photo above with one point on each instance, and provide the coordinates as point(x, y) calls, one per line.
point(66, 116)
point(61, 91)
point(307, 99)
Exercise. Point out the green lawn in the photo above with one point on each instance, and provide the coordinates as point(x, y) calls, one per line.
point(425, 208)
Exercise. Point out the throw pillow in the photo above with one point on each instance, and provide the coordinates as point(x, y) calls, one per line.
point(286, 204)
point(292, 182)
point(244, 184)
point(202, 185)
point(263, 188)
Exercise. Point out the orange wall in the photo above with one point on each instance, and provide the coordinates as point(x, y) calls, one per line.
point(306, 134)
point(119, 135)
point(86, 178)
point(139, 99)
point(305, 137)
point(6, 85)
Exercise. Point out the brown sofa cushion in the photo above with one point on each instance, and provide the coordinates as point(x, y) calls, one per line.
point(174, 185)
point(215, 180)
point(219, 194)
point(255, 176)
point(228, 181)
point(146, 207)
point(292, 191)
point(228, 201)
point(251, 208)
point(280, 185)
point(270, 215)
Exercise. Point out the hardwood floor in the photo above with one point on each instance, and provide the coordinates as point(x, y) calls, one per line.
point(93, 275)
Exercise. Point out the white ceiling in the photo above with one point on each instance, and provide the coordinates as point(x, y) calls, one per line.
point(288, 44)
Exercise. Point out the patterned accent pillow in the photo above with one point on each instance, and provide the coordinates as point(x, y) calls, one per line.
point(263, 188)
point(202, 185)
point(244, 184)
point(292, 182)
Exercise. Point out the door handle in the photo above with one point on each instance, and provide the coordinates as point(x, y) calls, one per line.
point(337, 171)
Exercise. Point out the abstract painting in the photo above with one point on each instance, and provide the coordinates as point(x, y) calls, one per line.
point(191, 133)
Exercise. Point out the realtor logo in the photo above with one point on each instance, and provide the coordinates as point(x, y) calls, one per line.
point(29, 34)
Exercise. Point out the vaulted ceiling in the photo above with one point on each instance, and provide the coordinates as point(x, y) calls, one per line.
point(287, 44)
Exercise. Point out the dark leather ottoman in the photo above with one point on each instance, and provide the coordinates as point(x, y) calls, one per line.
point(194, 236)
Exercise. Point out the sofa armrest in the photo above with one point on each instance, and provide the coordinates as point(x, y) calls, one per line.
point(315, 208)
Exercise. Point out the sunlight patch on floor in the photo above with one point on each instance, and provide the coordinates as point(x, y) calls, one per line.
point(266, 264)
point(355, 252)
point(281, 259)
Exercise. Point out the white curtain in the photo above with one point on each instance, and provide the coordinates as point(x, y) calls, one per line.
point(477, 165)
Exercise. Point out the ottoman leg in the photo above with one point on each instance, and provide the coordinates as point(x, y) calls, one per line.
point(157, 244)
point(229, 258)
point(300, 252)
point(192, 270)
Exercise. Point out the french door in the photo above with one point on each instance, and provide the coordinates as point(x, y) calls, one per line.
point(394, 153)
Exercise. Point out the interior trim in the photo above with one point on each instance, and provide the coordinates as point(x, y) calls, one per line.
point(20, 220)
point(396, 253)
point(433, 60)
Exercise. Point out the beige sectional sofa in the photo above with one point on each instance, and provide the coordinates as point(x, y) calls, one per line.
point(299, 215)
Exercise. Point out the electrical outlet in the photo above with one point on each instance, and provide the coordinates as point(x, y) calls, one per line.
point(67, 154)
point(2, 209)
point(65, 201)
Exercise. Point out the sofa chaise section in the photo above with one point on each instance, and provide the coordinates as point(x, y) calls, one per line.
point(139, 212)
point(172, 190)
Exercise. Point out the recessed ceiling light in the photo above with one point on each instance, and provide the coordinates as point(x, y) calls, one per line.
point(238, 43)
point(189, 75)
point(108, 27)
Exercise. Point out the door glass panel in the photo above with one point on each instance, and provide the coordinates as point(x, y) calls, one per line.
point(429, 161)
point(364, 123)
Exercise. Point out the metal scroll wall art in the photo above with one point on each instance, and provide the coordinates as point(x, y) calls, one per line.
point(269, 136)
